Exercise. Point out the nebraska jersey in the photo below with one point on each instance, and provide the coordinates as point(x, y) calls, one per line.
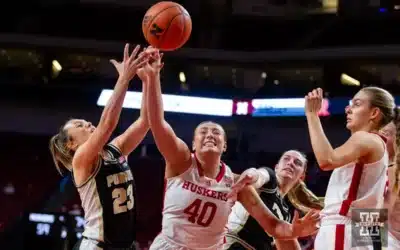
point(196, 209)
point(356, 185)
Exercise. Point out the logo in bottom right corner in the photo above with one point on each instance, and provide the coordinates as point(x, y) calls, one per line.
point(369, 227)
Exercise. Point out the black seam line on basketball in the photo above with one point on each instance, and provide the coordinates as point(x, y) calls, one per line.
point(151, 21)
point(172, 19)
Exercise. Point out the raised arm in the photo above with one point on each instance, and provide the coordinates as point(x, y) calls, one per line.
point(88, 152)
point(173, 149)
point(273, 226)
point(133, 136)
point(359, 144)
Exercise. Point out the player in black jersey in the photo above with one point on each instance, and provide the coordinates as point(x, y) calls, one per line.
point(99, 169)
point(244, 233)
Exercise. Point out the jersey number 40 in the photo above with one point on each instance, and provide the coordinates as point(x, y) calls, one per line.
point(201, 213)
point(123, 199)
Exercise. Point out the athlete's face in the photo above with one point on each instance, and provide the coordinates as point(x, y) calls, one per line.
point(291, 166)
point(79, 132)
point(209, 137)
point(360, 113)
point(389, 131)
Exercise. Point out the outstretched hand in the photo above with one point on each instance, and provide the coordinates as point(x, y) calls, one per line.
point(130, 64)
point(307, 225)
point(154, 64)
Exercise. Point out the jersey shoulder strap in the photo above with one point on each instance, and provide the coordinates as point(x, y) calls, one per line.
point(115, 151)
point(273, 182)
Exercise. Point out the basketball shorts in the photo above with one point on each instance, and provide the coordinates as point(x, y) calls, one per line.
point(86, 244)
point(162, 243)
point(235, 243)
point(90, 244)
point(336, 237)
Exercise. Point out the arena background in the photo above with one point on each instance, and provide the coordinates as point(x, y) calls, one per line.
point(54, 65)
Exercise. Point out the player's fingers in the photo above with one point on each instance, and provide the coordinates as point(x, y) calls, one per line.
point(114, 62)
point(296, 216)
point(134, 53)
point(320, 92)
point(126, 52)
point(142, 63)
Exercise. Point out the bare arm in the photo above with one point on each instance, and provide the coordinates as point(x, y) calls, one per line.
point(276, 228)
point(287, 245)
point(133, 136)
point(359, 145)
point(256, 207)
point(173, 149)
point(87, 153)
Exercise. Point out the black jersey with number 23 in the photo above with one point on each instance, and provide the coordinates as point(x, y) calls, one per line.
point(108, 200)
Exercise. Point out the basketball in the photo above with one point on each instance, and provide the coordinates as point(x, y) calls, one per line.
point(167, 26)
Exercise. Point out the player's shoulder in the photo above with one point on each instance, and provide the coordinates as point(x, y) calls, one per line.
point(273, 182)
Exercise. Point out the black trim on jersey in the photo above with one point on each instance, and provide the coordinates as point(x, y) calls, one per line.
point(116, 152)
point(96, 170)
point(251, 232)
point(273, 181)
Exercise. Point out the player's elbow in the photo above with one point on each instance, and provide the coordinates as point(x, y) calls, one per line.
point(325, 165)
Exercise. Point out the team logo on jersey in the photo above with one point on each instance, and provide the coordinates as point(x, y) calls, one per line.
point(228, 181)
point(122, 160)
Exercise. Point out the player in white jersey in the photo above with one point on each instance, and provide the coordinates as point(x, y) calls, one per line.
point(99, 169)
point(360, 165)
point(392, 200)
point(196, 206)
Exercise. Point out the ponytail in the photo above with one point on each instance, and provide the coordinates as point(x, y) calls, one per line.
point(61, 154)
point(303, 199)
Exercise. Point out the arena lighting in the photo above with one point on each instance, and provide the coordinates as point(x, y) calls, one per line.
point(348, 80)
point(182, 77)
point(274, 107)
point(176, 103)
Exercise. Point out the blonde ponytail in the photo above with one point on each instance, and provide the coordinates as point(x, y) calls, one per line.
point(61, 154)
point(303, 199)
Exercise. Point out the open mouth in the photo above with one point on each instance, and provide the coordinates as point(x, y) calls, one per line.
point(289, 170)
point(209, 143)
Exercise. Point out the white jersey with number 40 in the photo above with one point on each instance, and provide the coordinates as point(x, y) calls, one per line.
point(196, 209)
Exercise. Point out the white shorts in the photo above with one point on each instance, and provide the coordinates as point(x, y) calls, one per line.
point(335, 237)
point(87, 244)
point(393, 242)
point(162, 243)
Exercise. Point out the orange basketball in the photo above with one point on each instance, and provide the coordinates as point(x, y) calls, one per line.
point(167, 26)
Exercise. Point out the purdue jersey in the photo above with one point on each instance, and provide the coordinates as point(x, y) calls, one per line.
point(244, 232)
point(108, 200)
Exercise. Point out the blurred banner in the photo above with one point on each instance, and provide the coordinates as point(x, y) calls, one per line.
point(221, 107)
point(272, 107)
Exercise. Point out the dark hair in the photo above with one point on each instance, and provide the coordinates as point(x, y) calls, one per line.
point(60, 151)
point(300, 196)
